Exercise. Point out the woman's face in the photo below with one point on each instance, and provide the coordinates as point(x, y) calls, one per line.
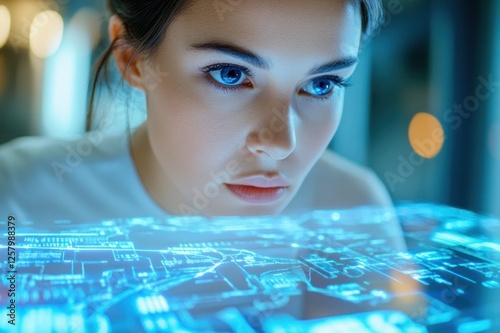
point(243, 98)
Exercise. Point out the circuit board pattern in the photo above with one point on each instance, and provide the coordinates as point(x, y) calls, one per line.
point(422, 268)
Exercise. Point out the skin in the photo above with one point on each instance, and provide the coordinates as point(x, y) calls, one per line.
point(194, 131)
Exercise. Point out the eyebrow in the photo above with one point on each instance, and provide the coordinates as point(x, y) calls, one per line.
point(257, 61)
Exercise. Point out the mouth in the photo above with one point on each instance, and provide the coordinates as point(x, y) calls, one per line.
point(257, 195)
point(259, 190)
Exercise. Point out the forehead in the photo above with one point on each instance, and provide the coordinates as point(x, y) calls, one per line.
point(299, 27)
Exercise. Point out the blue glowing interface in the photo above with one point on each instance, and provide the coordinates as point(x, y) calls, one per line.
point(322, 271)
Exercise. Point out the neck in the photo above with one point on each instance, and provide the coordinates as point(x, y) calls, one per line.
point(150, 171)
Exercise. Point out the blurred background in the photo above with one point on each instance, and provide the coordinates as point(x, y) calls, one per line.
point(423, 111)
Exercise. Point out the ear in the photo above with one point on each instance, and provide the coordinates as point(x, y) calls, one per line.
point(123, 52)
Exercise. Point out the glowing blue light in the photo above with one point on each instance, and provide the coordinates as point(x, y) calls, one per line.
point(77, 323)
point(150, 305)
point(59, 320)
point(475, 326)
point(493, 246)
point(157, 304)
point(335, 216)
point(491, 284)
point(162, 323)
point(141, 305)
point(65, 82)
point(148, 325)
point(376, 322)
point(164, 304)
point(46, 294)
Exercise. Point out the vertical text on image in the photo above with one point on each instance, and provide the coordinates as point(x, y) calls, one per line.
point(11, 273)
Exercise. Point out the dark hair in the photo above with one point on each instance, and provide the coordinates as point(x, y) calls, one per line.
point(146, 22)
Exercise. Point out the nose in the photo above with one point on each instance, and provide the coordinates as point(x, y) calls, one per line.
point(275, 136)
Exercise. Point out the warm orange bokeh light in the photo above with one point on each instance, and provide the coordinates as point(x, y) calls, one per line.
point(46, 33)
point(4, 25)
point(426, 135)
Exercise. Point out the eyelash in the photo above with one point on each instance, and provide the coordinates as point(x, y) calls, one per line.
point(337, 81)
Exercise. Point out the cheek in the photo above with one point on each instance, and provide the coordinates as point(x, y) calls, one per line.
point(314, 139)
point(314, 134)
point(188, 134)
point(319, 127)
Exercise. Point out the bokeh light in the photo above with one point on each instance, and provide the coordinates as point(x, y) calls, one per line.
point(4, 25)
point(426, 135)
point(66, 76)
point(46, 33)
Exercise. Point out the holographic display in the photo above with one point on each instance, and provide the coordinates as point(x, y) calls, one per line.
point(419, 268)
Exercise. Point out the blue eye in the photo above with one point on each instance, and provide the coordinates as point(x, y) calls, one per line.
point(319, 87)
point(227, 76)
point(322, 87)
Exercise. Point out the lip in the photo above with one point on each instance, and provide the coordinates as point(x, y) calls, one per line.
point(259, 190)
point(262, 181)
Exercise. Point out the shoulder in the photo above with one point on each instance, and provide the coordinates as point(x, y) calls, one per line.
point(362, 182)
point(24, 166)
point(20, 155)
point(26, 155)
point(46, 178)
point(337, 183)
point(31, 161)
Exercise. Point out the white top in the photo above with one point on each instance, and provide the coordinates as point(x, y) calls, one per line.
point(83, 180)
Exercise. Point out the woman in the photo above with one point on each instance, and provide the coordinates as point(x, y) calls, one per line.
point(243, 98)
